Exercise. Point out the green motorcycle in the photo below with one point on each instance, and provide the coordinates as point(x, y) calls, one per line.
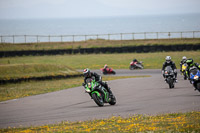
point(98, 93)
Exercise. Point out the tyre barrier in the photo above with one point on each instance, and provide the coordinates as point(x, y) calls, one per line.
point(123, 49)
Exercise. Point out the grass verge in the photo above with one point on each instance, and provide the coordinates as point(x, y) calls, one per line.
point(19, 90)
point(176, 122)
point(97, 61)
point(95, 44)
point(15, 71)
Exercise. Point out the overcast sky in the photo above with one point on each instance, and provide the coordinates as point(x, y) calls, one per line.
point(94, 8)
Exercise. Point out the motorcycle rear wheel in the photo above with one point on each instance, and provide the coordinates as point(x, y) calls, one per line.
point(98, 100)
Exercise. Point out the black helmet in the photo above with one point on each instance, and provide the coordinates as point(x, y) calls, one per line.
point(189, 61)
point(86, 72)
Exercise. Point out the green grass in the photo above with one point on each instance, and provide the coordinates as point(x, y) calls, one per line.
point(95, 44)
point(97, 61)
point(173, 123)
point(14, 71)
point(18, 90)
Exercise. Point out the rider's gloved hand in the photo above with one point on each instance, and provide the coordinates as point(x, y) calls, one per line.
point(83, 84)
point(162, 72)
point(175, 70)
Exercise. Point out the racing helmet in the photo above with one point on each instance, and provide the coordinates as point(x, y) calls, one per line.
point(134, 60)
point(105, 65)
point(189, 62)
point(168, 59)
point(86, 72)
point(184, 58)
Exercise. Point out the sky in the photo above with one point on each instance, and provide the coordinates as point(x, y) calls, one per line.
point(30, 9)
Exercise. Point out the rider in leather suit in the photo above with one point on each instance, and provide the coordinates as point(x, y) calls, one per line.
point(169, 62)
point(190, 64)
point(88, 74)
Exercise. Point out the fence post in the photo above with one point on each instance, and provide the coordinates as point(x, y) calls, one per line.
point(121, 35)
point(49, 39)
point(25, 38)
point(145, 35)
point(108, 37)
point(73, 38)
point(157, 34)
point(13, 38)
point(181, 35)
point(97, 36)
point(193, 34)
point(37, 39)
point(85, 38)
point(61, 38)
point(169, 35)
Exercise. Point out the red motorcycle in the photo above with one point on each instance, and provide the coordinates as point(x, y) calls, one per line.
point(108, 71)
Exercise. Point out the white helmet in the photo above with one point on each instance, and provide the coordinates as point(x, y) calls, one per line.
point(184, 58)
point(86, 72)
point(168, 59)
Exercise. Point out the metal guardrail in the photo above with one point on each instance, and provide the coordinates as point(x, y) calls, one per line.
point(117, 36)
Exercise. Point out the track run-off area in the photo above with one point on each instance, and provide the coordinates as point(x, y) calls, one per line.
point(144, 95)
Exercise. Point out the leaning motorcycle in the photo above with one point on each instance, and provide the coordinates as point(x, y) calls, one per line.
point(195, 78)
point(136, 65)
point(169, 76)
point(183, 70)
point(108, 71)
point(98, 93)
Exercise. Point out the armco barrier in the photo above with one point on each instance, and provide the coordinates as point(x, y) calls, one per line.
point(125, 49)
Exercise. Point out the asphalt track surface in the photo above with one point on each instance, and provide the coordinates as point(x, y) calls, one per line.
point(149, 95)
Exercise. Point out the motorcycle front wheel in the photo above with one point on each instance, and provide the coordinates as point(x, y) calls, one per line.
point(98, 99)
point(198, 86)
point(171, 83)
point(113, 101)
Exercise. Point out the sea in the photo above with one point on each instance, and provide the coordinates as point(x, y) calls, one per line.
point(101, 25)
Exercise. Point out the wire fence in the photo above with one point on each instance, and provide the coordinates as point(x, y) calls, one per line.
point(117, 36)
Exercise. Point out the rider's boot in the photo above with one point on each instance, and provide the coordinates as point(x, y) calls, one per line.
point(108, 89)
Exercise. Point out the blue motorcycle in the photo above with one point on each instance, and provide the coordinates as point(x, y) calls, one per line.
point(195, 78)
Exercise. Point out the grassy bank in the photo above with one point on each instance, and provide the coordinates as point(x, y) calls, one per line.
point(13, 91)
point(95, 44)
point(14, 71)
point(176, 122)
point(97, 61)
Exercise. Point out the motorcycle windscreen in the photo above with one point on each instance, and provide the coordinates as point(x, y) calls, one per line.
point(169, 69)
point(193, 72)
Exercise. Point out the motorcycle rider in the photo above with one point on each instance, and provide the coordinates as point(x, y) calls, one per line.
point(135, 61)
point(105, 68)
point(88, 74)
point(183, 61)
point(169, 62)
point(190, 64)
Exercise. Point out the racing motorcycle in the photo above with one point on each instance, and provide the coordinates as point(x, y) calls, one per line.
point(195, 78)
point(183, 70)
point(136, 65)
point(108, 71)
point(98, 93)
point(169, 76)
